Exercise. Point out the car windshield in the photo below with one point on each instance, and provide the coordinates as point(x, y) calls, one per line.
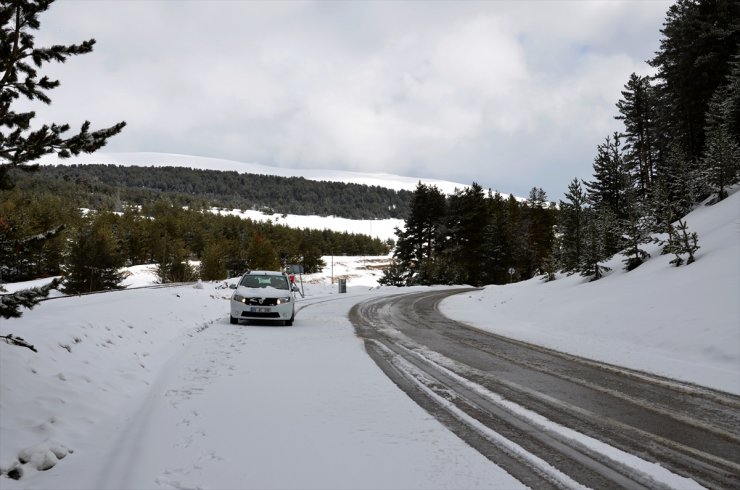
point(277, 282)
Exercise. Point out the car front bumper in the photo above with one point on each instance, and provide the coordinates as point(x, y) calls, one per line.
point(250, 312)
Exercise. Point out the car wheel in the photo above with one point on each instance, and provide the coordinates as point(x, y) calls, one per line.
point(233, 320)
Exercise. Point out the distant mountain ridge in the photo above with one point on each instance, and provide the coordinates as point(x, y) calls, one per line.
point(146, 159)
point(110, 186)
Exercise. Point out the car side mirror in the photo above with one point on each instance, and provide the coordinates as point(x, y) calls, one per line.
point(232, 286)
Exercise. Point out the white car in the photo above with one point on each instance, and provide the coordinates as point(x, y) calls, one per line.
point(263, 296)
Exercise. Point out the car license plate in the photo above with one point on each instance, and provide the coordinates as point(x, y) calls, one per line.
point(256, 309)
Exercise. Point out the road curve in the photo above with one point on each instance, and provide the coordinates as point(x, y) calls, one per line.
point(467, 378)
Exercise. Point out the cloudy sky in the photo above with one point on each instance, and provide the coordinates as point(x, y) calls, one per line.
point(510, 94)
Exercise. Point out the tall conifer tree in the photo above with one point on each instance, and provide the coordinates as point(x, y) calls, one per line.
point(572, 227)
point(637, 111)
point(22, 143)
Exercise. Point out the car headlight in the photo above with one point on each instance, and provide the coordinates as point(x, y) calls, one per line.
point(286, 299)
point(239, 298)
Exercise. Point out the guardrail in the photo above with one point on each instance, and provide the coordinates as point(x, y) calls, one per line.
point(152, 286)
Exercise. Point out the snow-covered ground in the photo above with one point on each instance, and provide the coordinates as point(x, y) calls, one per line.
point(384, 229)
point(153, 388)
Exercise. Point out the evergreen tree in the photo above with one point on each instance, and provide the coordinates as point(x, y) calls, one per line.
point(393, 275)
point(93, 261)
point(722, 157)
point(700, 38)
point(213, 263)
point(417, 242)
point(636, 227)
point(597, 231)
point(680, 242)
point(173, 265)
point(20, 145)
point(721, 161)
point(497, 243)
point(133, 236)
point(262, 254)
point(678, 186)
point(467, 219)
point(571, 226)
point(443, 268)
point(549, 266)
point(10, 304)
point(724, 106)
point(637, 111)
point(607, 192)
point(311, 260)
point(515, 237)
point(537, 233)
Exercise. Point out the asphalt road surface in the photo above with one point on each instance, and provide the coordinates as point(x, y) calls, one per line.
point(474, 381)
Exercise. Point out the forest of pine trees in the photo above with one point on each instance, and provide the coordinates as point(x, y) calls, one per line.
point(106, 186)
point(472, 237)
point(680, 146)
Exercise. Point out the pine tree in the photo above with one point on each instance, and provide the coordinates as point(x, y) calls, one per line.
point(599, 225)
point(680, 242)
point(173, 265)
point(393, 275)
point(94, 261)
point(607, 192)
point(467, 219)
point(637, 110)
point(262, 255)
point(721, 161)
point(496, 253)
point(636, 227)
point(699, 40)
point(537, 222)
point(571, 226)
point(417, 242)
point(212, 262)
point(678, 186)
point(549, 266)
point(10, 304)
point(20, 145)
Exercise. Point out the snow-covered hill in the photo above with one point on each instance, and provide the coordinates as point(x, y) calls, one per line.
point(145, 159)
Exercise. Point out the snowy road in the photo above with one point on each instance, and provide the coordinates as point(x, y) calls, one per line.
point(494, 393)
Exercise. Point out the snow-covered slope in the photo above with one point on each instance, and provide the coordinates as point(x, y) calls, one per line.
point(145, 159)
point(383, 229)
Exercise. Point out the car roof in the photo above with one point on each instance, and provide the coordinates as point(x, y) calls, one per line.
point(265, 273)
